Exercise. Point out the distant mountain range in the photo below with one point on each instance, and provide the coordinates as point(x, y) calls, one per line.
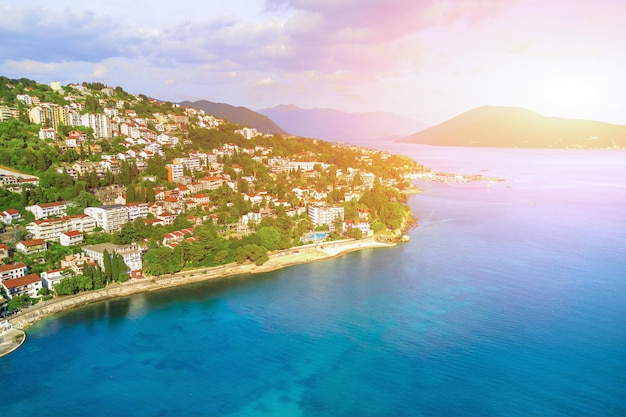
point(514, 127)
point(338, 126)
point(240, 115)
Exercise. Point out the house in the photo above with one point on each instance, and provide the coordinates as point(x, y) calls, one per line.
point(76, 262)
point(12, 271)
point(29, 247)
point(4, 251)
point(51, 278)
point(45, 210)
point(169, 239)
point(26, 285)
point(10, 216)
point(71, 238)
point(130, 253)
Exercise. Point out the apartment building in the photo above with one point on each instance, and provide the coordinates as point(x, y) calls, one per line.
point(322, 214)
point(130, 253)
point(110, 218)
point(51, 229)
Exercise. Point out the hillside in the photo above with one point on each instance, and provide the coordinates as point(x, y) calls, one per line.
point(338, 126)
point(513, 127)
point(239, 115)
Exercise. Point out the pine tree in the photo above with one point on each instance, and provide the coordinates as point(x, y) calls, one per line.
point(108, 271)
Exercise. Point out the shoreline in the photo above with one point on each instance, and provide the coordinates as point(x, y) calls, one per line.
point(279, 260)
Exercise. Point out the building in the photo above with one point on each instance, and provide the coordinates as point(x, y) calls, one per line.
point(137, 210)
point(175, 172)
point(51, 278)
point(321, 214)
point(51, 229)
point(10, 216)
point(130, 253)
point(29, 247)
point(45, 210)
point(4, 251)
point(12, 271)
point(27, 285)
point(110, 218)
point(76, 262)
point(71, 238)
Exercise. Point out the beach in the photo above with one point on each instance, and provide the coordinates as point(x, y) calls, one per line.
point(278, 260)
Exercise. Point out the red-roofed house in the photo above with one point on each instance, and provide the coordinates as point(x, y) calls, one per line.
point(28, 284)
point(12, 271)
point(31, 246)
point(71, 238)
point(10, 216)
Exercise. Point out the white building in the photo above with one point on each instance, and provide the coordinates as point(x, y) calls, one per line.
point(12, 271)
point(130, 253)
point(45, 210)
point(324, 215)
point(51, 229)
point(136, 210)
point(110, 218)
point(51, 278)
point(28, 284)
point(71, 238)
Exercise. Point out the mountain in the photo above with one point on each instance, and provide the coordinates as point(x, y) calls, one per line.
point(514, 127)
point(240, 115)
point(337, 126)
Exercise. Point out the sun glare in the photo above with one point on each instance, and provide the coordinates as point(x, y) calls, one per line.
point(568, 95)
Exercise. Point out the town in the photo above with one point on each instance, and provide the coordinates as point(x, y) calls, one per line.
point(102, 186)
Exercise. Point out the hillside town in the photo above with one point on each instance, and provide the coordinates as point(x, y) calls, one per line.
point(101, 186)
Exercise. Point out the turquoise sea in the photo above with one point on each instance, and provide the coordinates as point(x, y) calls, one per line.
point(509, 300)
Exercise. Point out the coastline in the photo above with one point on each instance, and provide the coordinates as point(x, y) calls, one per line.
point(279, 260)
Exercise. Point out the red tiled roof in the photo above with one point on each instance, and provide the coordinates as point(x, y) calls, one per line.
point(21, 281)
point(34, 242)
point(18, 265)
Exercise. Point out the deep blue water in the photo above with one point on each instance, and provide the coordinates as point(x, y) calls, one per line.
point(510, 300)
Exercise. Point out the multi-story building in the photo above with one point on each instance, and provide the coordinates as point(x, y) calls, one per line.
point(51, 229)
point(12, 271)
point(322, 214)
point(136, 210)
point(28, 284)
point(100, 123)
point(174, 172)
point(71, 238)
point(110, 218)
point(45, 210)
point(192, 163)
point(130, 253)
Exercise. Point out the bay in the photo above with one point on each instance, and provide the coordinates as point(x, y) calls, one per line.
point(508, 300)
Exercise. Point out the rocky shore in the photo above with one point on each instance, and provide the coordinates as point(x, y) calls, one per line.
point(282, 259)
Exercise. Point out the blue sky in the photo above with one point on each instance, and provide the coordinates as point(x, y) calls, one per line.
point(424, 58)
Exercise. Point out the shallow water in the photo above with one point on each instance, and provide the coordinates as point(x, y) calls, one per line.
point(508, 300)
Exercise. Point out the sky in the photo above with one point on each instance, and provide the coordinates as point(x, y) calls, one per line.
point(427, 59)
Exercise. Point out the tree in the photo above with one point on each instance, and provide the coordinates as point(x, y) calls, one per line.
point(108, 268)
point(268, 237)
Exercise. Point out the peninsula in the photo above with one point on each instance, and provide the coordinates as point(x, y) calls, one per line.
point(108, 194)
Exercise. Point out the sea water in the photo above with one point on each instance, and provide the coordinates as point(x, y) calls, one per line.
point(509, 300)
